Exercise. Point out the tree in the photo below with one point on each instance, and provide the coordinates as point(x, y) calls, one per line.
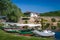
point(15, 14)
point(53, 20)
point(42, 23)
point(7, 8)
point(46, 26)
point(4, 4)
point(58, 25)
point(53, 27)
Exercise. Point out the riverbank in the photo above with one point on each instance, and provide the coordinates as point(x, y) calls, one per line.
point(57, 35)
point(6, 36)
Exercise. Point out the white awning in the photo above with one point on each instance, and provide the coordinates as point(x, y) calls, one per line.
point(30, 25)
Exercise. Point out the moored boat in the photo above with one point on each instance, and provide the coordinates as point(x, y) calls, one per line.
point(44, 33)
point(11, 30)
point(25, 32)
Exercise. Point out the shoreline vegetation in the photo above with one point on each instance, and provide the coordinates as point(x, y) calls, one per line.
point(51, 13)
point(6, 36)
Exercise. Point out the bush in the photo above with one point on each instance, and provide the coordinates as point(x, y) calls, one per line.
point(46, 26)
point(53, 20)
point(53, 27)
point(59, 21)
point(1, 26)
point(58, 24)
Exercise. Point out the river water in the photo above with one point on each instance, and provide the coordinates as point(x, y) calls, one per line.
point(57, 35)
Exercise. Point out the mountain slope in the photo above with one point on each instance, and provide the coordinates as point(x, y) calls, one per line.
point(53, 13)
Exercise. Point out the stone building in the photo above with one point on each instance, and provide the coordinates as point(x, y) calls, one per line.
point(35, 19)
point(32, 19)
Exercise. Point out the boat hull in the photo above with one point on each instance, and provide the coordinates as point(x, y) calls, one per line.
point(43, 34)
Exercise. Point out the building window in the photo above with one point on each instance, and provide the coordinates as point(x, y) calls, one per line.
point(25, 18)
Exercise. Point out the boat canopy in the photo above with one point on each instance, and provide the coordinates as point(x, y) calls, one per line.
point(30, 25)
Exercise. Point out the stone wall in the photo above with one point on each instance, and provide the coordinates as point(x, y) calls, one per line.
point(32, 20)
point(50, 17)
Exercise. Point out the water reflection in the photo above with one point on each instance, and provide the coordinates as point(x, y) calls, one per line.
point(57, 35)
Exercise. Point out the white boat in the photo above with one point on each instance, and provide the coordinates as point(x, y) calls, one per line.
point(44, 33)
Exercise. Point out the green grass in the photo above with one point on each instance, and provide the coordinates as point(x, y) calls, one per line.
point(6, 36)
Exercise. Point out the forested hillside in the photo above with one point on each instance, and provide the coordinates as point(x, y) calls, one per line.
point(53, 13)
point(7, 8)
